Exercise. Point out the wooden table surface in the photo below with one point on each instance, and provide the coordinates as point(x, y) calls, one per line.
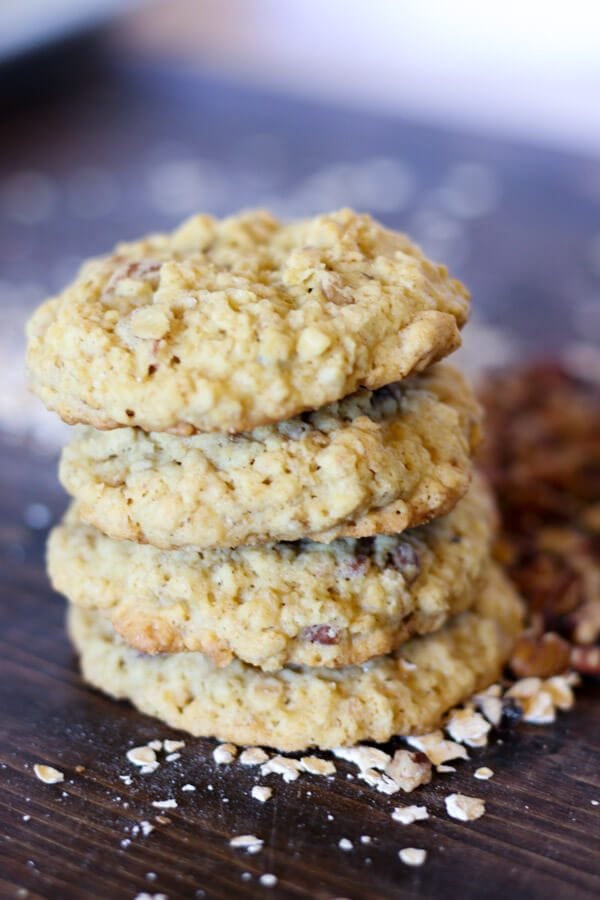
point(529, 255)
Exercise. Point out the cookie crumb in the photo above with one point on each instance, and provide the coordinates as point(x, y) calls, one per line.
point(48, 774)
point(146, 827)
point(443, 769)
point(155, 745)
point(224, 754)
point(268, 880)
point(188, 787)
point(261, 792)
point(464, 808)
point(173, 746)
point(345, 844)
point(172, 757)
point(483, 773)
point(366, 839)
point(412, 856)
point(406, 815)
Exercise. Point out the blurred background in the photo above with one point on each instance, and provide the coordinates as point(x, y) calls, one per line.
point(474, 126)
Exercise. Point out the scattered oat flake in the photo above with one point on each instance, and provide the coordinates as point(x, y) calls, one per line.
point(538, 709)
point(345, 844)
point(467, 809)
point(468, 727)
point(224, 754)
point(593, 802)
point(48, 774)
point(172, 746)
point(289, 769)
point(146, 896)
point(188, 787)
point(386, 785)
point(141, 756)
point(27, 818)
point(366, 839)
point(155, 745)
point(126, 779)
point(363, 756)
point(525, 687)
point(406, 815)
point(371, 776)
point(560, 690)
point(148, 770)
point(412, 856)
point(483, 773)
point(261, 792)
point(268, 880)
point(490, 706)
point(317, 766)
point(246, 842)
point(437, 748)
point(409, 770)
point(253, 756)
point(172, 757)
point(146, 827)
point(165, 804)
point(444, 768)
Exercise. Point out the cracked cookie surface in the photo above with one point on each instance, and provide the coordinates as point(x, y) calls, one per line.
point(405, 692)
point(374, 462)
point(226, 325)
point(302, 603)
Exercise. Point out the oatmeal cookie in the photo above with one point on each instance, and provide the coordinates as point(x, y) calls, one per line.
point(226, 325)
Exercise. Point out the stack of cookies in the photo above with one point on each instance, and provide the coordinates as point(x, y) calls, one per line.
point(275, 536)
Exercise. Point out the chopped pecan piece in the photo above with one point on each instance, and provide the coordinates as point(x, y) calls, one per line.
point(405, 558)
point(540, 656)
point(586, 660)
point(321, 634)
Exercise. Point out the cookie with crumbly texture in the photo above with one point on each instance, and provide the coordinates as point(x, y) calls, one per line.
point(298, 603)
point(401, 454)
point(226, 325)
point(406, 692)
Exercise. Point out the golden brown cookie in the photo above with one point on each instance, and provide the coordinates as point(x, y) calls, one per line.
point(226, 325)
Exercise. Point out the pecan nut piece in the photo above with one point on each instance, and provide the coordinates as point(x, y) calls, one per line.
point(540, 656)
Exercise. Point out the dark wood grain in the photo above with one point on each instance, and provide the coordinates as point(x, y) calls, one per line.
point(540, 837)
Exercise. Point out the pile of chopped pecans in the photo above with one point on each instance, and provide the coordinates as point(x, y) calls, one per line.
point(542, 455)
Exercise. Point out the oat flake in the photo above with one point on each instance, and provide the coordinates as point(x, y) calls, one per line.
point(464, 808)
point(412, 856)
point(48, 774)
